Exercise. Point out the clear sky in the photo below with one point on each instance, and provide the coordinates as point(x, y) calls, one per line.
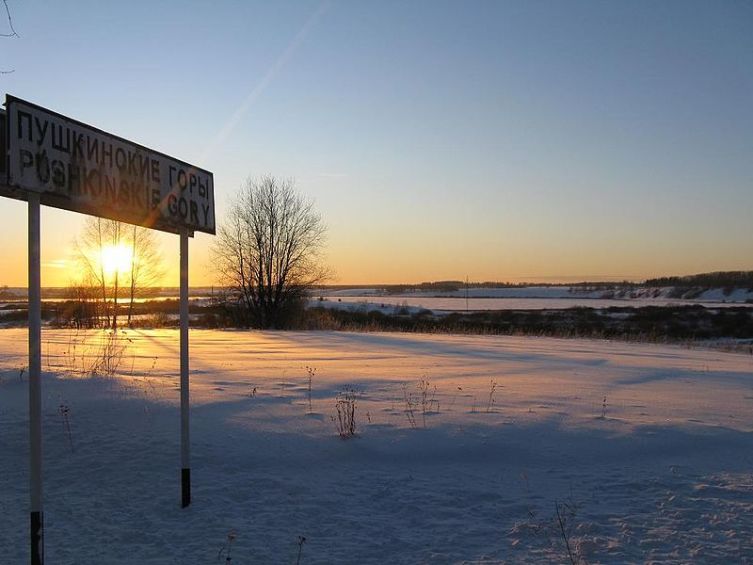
point(506, 140)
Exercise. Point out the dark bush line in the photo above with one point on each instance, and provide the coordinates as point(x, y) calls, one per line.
point(647, 323)
point(65, 313)
point(728, 280)
point(20, 313)
point(650, 323)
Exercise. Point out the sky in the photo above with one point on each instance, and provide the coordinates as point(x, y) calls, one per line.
point(508, 140)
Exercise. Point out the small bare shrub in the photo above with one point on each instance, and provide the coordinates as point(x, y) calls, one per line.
point(557, 528)
point(80, 356)
point(227, 548)
point(410, 406)
point(70, 353)
point(110, 355)
point(427, 397)
point(345, 420)
point(529, 503)
point(565, 513)
point(492, 390)
point(311, 371)
point(301, 541)
point(65, 412)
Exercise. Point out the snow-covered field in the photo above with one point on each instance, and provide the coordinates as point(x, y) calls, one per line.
point(439, 305)
point(646, 451)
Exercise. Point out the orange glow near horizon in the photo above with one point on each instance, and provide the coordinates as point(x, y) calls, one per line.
point(396, 257)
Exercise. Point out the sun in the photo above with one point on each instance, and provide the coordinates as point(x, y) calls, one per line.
point(116, 259)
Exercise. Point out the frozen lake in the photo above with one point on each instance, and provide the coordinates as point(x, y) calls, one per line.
point(458, 304)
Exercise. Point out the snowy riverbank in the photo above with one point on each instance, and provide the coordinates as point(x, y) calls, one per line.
point(659, 471)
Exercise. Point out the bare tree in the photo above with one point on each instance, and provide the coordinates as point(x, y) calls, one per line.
point(268, 252)
point(101, 237)
point(97, 235)
point(145, 263)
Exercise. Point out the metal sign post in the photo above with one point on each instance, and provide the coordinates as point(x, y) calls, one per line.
point(35, 386)
point(185, 444)
point(50, 159)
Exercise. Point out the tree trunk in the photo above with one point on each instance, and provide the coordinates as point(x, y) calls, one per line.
point(102, 276)
point(115, 305)
point(133, 276)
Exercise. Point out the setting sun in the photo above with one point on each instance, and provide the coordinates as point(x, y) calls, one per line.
point(116, 259)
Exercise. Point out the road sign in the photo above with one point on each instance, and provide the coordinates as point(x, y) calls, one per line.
point(50, 159)
point(78, 167)
point(3, 160)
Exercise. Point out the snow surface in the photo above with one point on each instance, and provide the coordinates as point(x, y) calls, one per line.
point(471, 292)
point(440, 305)
point(385, 305)
point(523, 298)
point(659, 472)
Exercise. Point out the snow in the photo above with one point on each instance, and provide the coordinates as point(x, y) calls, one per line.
point(472, 292)
point(697, 295)
point(659, 472)
point(525, 298)
point(507, 292)
point(720, 295)
point(385, 305)
point(349, 292)
point(445, 305)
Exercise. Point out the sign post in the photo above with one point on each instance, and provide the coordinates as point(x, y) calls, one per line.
point(35, 386)
point(185, 444)
point(54, 160)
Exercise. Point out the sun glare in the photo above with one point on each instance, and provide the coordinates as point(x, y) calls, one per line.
point(116, 259)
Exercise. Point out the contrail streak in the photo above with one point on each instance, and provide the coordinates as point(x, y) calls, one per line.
point(266, 80)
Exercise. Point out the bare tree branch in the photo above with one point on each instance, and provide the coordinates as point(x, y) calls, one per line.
point(10, 24)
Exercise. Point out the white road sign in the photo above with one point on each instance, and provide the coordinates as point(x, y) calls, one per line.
point(81, 168)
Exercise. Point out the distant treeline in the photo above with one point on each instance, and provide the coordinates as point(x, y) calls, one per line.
point(650, 323)
point(6, 293)
point(721, 279)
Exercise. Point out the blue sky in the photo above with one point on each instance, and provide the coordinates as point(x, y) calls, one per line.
point(495, 140)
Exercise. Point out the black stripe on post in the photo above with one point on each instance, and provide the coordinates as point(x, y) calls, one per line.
point(37, 539)
point(185, 487)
